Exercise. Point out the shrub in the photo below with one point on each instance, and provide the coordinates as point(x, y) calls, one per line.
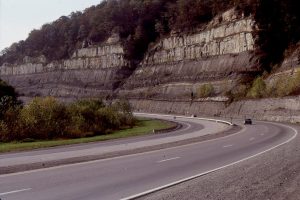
point(45, 118)
point(205, 91)
point(237, 93)
point(8, 98)
point(258, 89)
point(92, 116)
point(6, 102)
point(109, 118)
point(4, 131)
point(123, 106)
point(285, 86)
point(125, 112)
point(10, 126)
point(84, 116)
point(281, 88)
point(6, 90)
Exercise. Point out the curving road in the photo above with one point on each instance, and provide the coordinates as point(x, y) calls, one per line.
point(129, 176)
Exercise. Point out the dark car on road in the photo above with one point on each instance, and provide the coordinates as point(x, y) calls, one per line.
point(248, 121)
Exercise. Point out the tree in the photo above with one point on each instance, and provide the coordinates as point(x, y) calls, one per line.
point(8, 98)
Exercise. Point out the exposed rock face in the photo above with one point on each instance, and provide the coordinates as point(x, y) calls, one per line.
point(276, 109)
point(221, 51)
point(176, 66)
point(292, 61)
point(289, 68)
point(91, 72)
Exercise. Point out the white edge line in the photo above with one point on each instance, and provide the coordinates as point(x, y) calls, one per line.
point(188, 126)
point(161, 161)
point(15, 191)
point(181, 116)
point(213, 170)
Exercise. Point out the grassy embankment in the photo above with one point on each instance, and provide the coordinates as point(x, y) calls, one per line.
point(143, 127)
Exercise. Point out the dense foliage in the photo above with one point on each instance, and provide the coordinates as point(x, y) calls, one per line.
point(46, 118)
point(7, 90)
point(141, 22)
point(8, 97)
point(279, 24)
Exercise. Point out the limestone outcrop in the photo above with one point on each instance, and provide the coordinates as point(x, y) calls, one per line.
point(273, 109)
point(90, 72)
point(222, 51)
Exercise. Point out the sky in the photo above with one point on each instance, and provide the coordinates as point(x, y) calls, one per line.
point(19, 17)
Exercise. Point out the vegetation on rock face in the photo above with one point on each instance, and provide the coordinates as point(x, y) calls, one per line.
point(258, 89)
point(285, 85)
point(46, 118)
point(281, 86)
point(205, 91)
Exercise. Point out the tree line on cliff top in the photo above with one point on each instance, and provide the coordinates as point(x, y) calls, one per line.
point(141, 22)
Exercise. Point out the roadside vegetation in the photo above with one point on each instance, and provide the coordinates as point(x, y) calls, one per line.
point(141, 127)
point(47, 118)
point(46, 122)
point(8, 98)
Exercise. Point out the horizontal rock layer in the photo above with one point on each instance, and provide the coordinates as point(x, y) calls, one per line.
point(91, 72)
point(221, 51)
point(232, 38)
point(283, 110)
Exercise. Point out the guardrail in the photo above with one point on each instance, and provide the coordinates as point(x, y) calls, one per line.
point(182, 116)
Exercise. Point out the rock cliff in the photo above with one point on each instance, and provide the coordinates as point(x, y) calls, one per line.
point(221, 53)
point(90, 72)
point(273, 109)
point(288, 69)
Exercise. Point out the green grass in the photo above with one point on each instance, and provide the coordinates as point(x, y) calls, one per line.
point(143, 127)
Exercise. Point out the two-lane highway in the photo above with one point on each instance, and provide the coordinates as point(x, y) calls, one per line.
point(127, 176)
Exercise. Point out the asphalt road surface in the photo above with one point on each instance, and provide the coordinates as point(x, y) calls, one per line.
point(127, 176)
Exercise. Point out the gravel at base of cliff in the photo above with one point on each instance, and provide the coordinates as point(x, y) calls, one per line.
point(274, 175)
